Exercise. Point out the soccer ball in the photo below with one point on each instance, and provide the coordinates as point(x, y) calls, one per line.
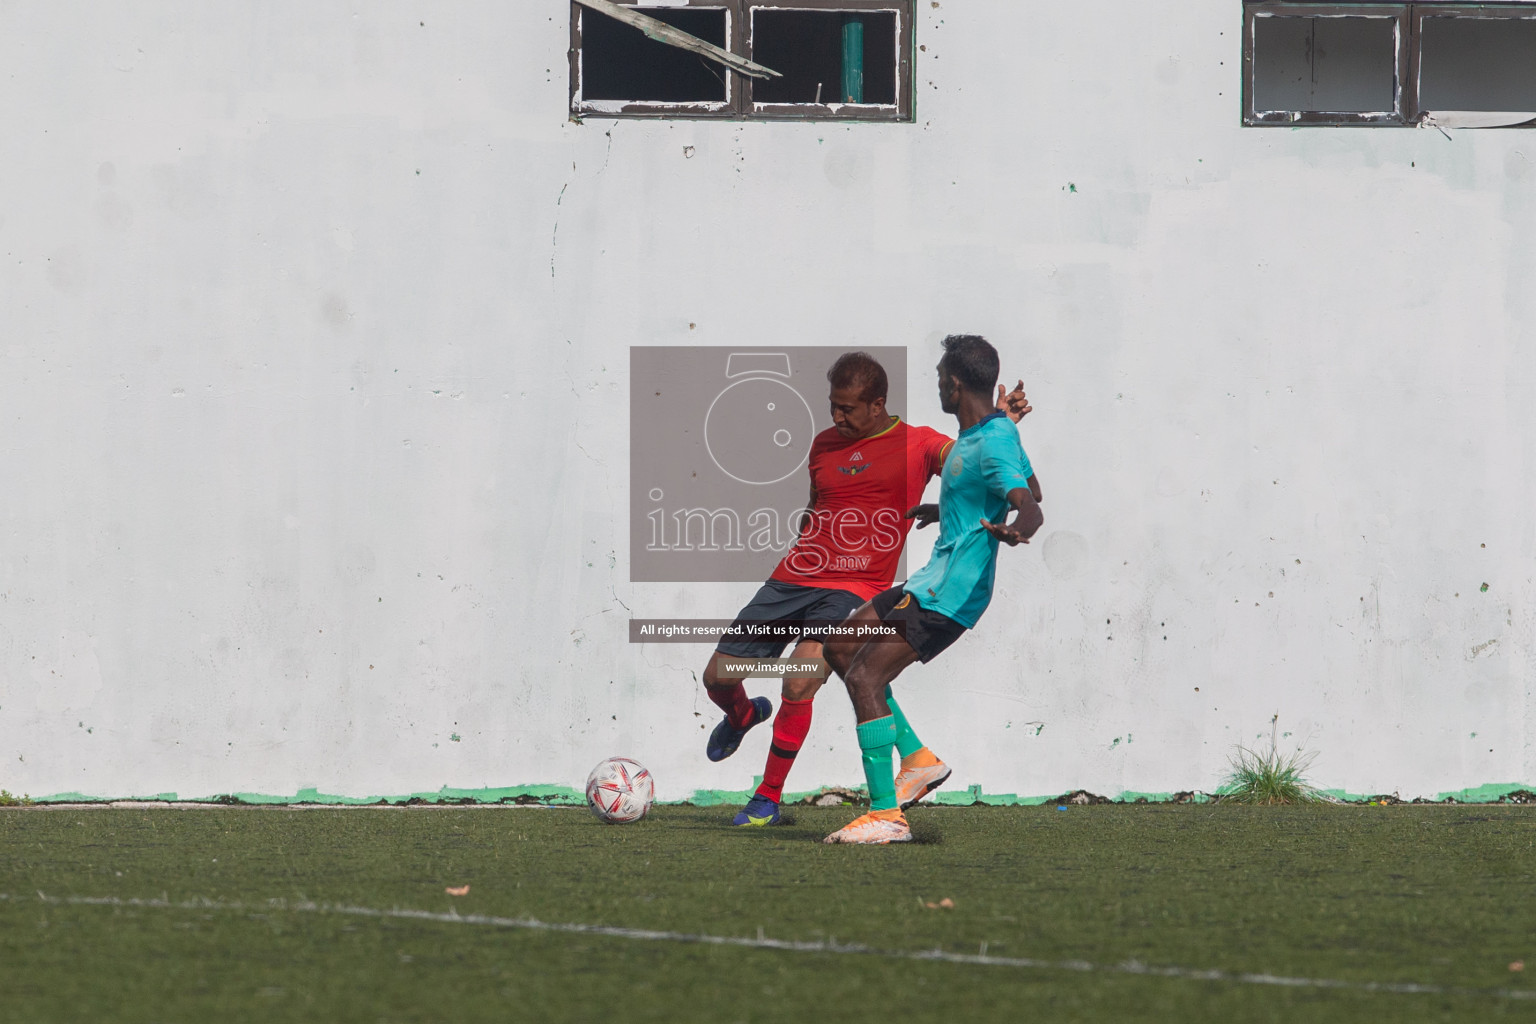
point(620, 791)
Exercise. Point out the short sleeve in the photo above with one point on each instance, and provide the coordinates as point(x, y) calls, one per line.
point(819, 446)
point(1005, 465)
point(935, 448)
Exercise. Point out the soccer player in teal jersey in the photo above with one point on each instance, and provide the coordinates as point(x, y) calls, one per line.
point(986, 474)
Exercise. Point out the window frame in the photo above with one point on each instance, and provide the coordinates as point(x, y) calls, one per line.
point(1406, 112)
point(739, 104)
point(901, 110)
point(1479, 12)
point(1404, 84)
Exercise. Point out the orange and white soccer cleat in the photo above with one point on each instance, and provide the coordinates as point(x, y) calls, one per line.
point(916, 781)
point(874, 829)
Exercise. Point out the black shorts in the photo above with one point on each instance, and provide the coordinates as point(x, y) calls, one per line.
point(795, 608)
point(928, 632)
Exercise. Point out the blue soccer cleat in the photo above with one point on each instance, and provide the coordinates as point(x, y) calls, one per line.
point(726, 737)
point(758, 812)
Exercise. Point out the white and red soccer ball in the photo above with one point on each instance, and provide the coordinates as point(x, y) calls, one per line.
point(620, 790)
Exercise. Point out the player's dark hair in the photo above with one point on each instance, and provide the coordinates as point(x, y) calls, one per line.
point(859, 370)
point(971, 360)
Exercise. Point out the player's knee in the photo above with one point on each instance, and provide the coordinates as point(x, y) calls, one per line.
point(711, 675)
point(860, 679)
point(801, 689)
point(838, 656)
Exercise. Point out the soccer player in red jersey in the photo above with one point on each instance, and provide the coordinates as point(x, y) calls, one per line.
point(866, 471)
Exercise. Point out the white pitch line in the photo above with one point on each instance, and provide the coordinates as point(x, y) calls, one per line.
point(1130, 967)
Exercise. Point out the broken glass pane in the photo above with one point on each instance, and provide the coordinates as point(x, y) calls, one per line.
point(619, 62)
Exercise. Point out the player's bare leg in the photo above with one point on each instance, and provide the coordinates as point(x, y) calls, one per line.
point(870, 669)
point(805, 687)
point(839, 652)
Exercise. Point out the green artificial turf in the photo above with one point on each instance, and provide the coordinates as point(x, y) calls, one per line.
point(1441, 896)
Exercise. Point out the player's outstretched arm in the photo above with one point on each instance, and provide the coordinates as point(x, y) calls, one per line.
point(926, 515)
point(1027, 519)
point(1014, 404)
point(1034, 489)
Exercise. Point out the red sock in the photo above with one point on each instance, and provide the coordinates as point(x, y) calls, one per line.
point(733, 702)
point(789, 728)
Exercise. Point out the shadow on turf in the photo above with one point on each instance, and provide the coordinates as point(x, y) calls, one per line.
point(923, 833)
point(791, 828)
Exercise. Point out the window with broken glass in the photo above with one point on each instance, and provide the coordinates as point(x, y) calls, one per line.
point(796, 60)
point(1389, 64)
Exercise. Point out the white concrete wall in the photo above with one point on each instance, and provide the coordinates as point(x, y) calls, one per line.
point(313, 447)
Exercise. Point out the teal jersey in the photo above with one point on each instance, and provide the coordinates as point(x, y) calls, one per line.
point(986, 462)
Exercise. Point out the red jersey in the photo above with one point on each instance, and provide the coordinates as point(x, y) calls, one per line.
point(863, 487)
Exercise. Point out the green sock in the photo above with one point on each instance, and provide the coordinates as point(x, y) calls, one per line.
point(907, 742)
point(875, 741)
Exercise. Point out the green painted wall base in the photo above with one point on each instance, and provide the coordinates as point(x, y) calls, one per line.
point(551, 795)
point(565, 796)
